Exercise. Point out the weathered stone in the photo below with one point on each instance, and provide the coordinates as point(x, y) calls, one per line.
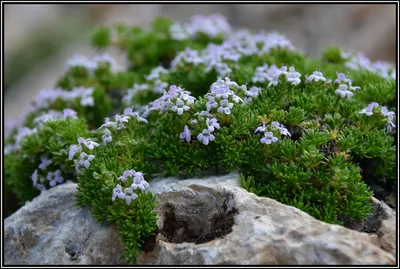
point(51, 230)
point(386, 232)
point(214, 221)
point(210, 220)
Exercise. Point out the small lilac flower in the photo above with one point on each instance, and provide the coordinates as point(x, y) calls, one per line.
point(117, 192)
point(88, 143)
point(342, 78)
point(85, 159)
point(180, 107)
point(87, 101)
point(44, 163)
point(73, 149)
point(120, 118)
point(34, 177)
point(54, 178)
point(106, 136)
point(193, 122)
point(225, 107)
point(126, 174)
point(129, 195)
point(369, 109)
point(69, 113)
point(292, 76)
point(211, 124)
point(139, 182)
point(390, 114)
point(206, 136)
point(260, 128)
point(185, 134)
point(316, 76)
point(155, 73)
point(211, 103)
point(108, 123)
point(281, 128)
point(284, 131)
point(268, 138)
point(343, 91)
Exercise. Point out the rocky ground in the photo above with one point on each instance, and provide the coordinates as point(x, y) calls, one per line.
point(203, 221)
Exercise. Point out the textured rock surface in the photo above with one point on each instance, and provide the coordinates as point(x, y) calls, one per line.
point(386, 233)
point(192, 212)
point(50, 230)
point(201, 221)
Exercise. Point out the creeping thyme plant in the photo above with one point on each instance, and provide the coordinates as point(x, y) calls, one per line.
point(203, 97)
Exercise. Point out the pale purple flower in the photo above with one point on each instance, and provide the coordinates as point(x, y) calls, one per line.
point(85, 159)
point(292, 76)
point(108, 123)
point(102, 58)
point(260, 128)
point(73, 149)
point(80, 60)
point(69, 113)
point(342, 78)
point(87, 101)
point(139, 182)
point(178, 32)
point(343, 91)
point(121, 119)
point(249, 95)
point(268, 138)
point(211, 103)
point(369, 109)
point(316, 76)
point(225, 107)
point(159, 86)
point(282, 129)
point(205, 136)
point(106, 137)
point(390, 114)
point(117, 192)
point(126, 175)
point(54, 178)
point(34, 177)
point(211, 124)
point(185, 134)
point(88, 143)
point(180, 107)
point(155, 73)
point(129, 195)
point(44, 163)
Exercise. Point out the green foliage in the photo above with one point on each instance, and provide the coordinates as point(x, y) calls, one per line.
point(101, 37)
point(293, 137)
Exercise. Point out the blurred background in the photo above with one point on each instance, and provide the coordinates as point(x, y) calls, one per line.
point(40, 38)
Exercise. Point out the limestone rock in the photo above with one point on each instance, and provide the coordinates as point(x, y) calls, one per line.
point(386, 233)
point(210, 220)
point(214, 221)
point(50, 230)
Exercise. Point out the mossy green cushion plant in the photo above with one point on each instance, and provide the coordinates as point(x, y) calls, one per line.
point(199, 98)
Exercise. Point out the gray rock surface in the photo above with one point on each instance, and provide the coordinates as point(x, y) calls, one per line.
point(386, 233)
point(209, 220)
point(249, 229)
point(50, 230)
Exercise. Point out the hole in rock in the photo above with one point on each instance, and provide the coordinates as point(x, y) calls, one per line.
point(200, 218)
